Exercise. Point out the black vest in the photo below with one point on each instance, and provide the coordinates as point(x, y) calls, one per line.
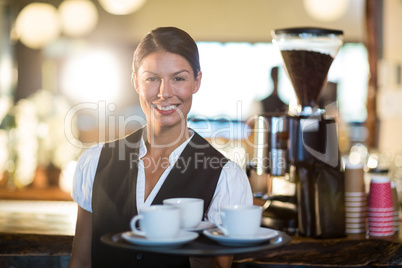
point(195, 174)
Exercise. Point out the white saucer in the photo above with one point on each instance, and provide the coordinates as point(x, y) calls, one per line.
point(202, 226)
point(182, 238)
point(263, 234)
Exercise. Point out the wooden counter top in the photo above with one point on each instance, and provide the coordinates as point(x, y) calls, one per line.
point(328, 252)
point(34, 193)
point(306, 252)
point(13, 244)
point(28, 230)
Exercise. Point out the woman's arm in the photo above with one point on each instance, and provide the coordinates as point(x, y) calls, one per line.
point(82, 194)
point(233, 189)
point(81, 253)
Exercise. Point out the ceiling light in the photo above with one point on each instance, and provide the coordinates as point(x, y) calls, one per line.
point(78, 17)
point(326, 10)
point(37, 24)
point(91, 75)
point(121, 7)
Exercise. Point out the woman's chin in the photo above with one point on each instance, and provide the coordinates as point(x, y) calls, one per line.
point(170, 123)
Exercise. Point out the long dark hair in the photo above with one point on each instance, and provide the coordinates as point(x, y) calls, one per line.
point(169, 39)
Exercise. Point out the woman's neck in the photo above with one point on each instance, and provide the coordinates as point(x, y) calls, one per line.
point(166, 140)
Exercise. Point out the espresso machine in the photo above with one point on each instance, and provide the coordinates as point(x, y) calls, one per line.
point(298, 151)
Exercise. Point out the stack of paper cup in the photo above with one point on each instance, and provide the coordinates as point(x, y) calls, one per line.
point(380, 207)
point(355, 199)
point(396, 206)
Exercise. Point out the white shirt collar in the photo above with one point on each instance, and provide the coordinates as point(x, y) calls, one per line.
point(173, 156)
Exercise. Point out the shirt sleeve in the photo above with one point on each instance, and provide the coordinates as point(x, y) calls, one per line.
point(84, 177)
point(233, 188)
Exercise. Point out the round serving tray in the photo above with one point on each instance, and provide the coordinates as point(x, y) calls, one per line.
point(202, 246)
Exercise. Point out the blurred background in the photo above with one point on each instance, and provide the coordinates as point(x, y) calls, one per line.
point(65, 77)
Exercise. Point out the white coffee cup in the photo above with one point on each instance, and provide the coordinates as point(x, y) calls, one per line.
point(239, 220)
point(191, 210)
point(157, 222)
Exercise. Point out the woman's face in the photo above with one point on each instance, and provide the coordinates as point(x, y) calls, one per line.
point(165, 83)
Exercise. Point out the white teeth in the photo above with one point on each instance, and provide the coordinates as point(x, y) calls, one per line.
point(166, 108)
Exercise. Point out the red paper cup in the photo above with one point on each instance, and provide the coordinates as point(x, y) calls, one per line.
point(380, 214)
point(380, 196)
point(381, 224)
point(381, 210)
point(381, 229)
point(381, 233)
point(381, 218)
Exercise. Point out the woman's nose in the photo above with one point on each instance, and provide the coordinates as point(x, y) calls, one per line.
point(165, 90)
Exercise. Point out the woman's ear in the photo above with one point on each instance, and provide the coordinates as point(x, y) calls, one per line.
point(134, 81)
point(197, 82)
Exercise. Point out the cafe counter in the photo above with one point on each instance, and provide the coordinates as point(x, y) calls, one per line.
point(40, 234)
point(356, 251)
point(54, 251)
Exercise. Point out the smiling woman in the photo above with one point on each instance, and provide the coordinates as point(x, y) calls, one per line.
point(118, 179)
point(91, 76)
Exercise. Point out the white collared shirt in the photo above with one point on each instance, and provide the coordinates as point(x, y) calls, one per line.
point(233, 186)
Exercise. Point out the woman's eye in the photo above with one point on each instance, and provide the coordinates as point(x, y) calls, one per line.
point(179, 78)
point(151, 79)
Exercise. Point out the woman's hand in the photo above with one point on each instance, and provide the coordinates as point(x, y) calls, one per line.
point(215, 262)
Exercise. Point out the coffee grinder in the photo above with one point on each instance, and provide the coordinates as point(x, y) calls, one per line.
point(301, 155)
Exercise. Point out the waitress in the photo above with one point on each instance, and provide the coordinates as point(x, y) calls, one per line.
point(164, 159)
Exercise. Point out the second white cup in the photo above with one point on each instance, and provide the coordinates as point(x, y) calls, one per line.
point(191, 210)
point(239, 220)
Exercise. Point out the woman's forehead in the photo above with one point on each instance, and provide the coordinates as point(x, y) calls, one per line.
point(164, 59)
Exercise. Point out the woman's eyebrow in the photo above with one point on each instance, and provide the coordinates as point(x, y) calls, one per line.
point(149, 72)
point(181, 71)
point(175, 73)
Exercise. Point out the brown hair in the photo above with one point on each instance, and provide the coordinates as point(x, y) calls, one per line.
point(169, 39)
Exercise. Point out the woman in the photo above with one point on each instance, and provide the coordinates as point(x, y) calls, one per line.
point(162, 160)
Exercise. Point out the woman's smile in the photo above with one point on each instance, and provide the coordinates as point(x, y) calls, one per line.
point(165, 109)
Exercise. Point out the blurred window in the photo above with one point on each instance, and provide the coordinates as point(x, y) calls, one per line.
point(235, 75)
